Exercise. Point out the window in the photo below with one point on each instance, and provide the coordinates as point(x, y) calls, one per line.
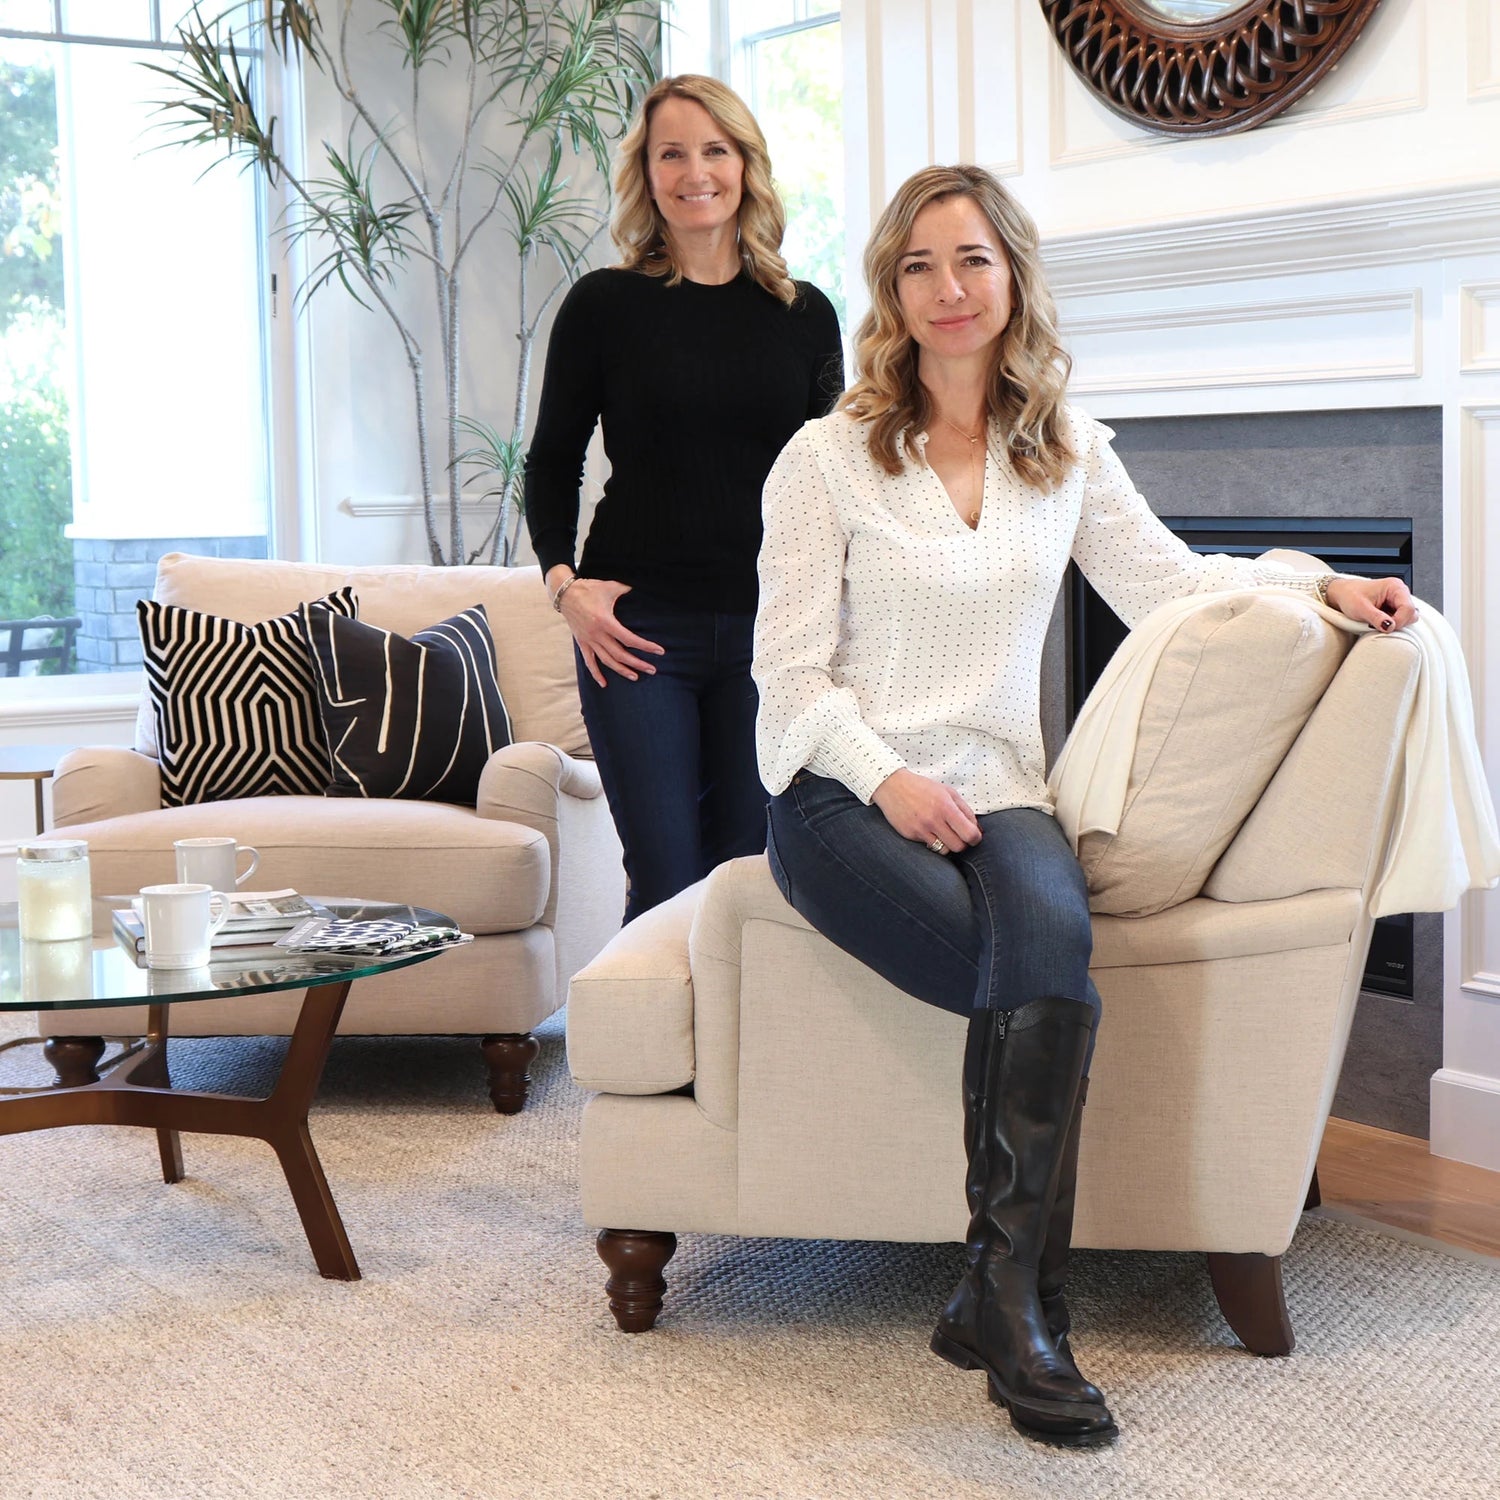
point(133, 414)
point(784, 59)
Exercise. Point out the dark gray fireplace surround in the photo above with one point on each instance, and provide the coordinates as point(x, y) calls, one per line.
point(1349, 464)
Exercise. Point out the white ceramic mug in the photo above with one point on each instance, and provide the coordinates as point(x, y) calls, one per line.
point(213, 862)
point(180, 923)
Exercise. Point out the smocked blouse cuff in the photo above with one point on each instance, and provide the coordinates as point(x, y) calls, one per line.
point(860, 759)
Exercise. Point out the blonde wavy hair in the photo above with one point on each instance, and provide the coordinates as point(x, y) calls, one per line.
point(638, 228)
point(1029, 376)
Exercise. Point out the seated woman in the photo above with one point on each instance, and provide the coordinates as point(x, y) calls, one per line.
point(914, 544)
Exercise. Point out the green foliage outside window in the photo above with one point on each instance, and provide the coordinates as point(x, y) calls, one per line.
point(30, 213)
point(36, 492)
point(799, 102)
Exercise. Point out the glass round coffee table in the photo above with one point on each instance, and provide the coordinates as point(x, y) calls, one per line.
point(98, 972)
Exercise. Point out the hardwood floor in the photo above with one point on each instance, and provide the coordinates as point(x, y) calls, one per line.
point(1395, 1180)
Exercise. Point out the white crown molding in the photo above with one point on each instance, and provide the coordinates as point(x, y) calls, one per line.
point(1320, 237)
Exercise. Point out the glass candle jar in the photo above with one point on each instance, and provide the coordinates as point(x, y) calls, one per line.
point(52, 891)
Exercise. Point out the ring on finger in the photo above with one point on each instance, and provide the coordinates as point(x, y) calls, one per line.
point(938, 846)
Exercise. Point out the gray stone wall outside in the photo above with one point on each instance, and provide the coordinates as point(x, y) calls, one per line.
point(111, 575)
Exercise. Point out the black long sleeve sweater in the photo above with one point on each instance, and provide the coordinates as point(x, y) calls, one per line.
point(699, 388)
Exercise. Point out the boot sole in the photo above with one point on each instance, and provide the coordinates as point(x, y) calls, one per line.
point(1019, 1411)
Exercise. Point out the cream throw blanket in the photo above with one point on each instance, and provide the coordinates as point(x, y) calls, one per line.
point(1444, 841)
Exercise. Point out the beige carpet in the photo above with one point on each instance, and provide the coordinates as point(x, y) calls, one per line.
point(176, 1341)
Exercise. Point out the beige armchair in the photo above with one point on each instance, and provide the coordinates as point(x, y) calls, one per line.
point(750, 1078)
point(533, 871)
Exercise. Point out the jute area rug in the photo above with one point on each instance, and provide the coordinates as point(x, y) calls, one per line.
point(176, 1341)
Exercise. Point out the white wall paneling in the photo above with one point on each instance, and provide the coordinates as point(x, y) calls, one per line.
point(1466, 1091)
point(994, 76)
point(1480, 327)
point(926, 82)
point(1483, 50)
point(1226, 345)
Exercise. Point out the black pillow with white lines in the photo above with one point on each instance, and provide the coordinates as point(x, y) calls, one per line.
point(235, 705)
point(410, 718)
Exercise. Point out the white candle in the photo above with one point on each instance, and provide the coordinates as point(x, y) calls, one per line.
point(52, 891)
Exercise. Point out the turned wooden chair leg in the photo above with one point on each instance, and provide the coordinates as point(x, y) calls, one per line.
point(1251, 1298)
point(509, 1056)
point(636, 1258)
point(74, 1059)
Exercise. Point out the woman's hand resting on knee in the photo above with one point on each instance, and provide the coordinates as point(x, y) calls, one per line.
point(926, 811)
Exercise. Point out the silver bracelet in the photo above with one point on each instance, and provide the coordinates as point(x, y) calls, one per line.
point(566, 585)
point(1320, 588)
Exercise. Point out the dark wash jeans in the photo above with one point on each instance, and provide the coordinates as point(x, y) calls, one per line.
point(991, 927)
point(676, 751)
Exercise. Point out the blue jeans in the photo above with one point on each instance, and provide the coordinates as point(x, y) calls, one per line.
point(990, 927)
point(676, 751)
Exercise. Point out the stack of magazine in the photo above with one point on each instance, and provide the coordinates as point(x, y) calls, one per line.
point(257, 919)
point(381, 937)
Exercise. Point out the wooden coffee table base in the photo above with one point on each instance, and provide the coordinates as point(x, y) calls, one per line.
point(139, 1092)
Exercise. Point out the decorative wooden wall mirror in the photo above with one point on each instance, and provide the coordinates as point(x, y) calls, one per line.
point(1203, 67)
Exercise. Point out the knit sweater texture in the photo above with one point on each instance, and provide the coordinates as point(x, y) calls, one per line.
point(698, 389)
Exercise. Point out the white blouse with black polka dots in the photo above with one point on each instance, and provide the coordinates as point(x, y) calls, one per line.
point(890, 634)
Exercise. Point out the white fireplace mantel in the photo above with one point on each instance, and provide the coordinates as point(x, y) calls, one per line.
point(1300, 239)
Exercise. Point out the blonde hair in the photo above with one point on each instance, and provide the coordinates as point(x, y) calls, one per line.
point(1029, 376)
point(638, 228)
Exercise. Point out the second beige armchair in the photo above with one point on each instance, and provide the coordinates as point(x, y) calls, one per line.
point(532, 870)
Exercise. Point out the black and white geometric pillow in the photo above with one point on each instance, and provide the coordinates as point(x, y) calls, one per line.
point(236, 706)
point(406, 718)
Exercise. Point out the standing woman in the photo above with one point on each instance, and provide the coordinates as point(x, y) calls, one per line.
point(915, 542)
point(701, 357)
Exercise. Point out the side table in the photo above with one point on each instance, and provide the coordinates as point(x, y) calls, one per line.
point(33, 763)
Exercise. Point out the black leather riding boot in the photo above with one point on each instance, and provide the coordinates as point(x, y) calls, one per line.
point(1052, 1270)
point(1022, 1072)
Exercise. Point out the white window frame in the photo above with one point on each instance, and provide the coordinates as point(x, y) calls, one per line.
point(291, 525)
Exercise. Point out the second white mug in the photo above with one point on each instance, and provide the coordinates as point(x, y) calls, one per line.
point(214, 862)
point(180, 922)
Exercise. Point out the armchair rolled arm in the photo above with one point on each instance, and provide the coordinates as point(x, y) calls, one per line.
point(521, 783)
point(532, 783)
point(104, 781)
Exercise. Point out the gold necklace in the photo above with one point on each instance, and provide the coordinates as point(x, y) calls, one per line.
point(975, 452)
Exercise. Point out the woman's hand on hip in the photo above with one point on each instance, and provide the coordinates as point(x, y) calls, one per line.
point(1385, 603)
point(589, 609)
point(926, 811)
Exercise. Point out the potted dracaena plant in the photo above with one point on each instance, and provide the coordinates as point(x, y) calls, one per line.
point(410, 199)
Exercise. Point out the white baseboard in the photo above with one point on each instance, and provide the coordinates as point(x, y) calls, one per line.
point(1466, 1117)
